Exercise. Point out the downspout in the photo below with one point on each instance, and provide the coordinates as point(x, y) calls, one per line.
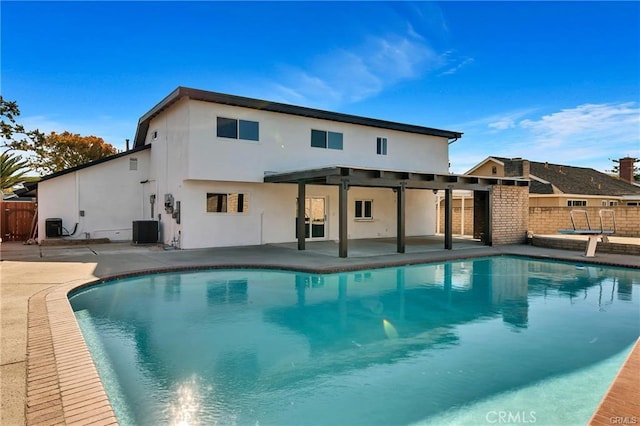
point(76, 206)
point(77, 197)
point(449, 142)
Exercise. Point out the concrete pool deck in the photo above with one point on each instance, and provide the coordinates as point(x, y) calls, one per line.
point(46, 372)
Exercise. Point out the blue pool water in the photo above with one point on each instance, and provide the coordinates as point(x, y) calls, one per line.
point(452, 343)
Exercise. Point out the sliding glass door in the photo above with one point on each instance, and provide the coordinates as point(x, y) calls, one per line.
point(315, 218)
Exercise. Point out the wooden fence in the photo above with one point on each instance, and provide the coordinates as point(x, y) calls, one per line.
point(16, 220)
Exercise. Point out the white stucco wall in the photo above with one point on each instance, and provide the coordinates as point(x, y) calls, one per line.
point(285, 145)
point(110, 195)
point(168, 164)
point(272, 211)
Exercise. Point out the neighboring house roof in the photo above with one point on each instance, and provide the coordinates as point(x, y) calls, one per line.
point(570, 179)
point(28, 189)
point(94, 163)
point(536, 187)
point(239, 101)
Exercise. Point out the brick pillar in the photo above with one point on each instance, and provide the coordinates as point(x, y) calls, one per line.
point(509, 214)
point(526, 169)
point(625, 167)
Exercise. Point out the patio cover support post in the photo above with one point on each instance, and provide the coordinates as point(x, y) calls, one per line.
point(300, 224)
point(400, 235)
point(448, 218)
point(343, 200)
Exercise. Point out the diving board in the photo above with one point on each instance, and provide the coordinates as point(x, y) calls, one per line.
point(594, 234)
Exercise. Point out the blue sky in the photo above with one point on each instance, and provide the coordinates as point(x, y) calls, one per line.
point(547, 81)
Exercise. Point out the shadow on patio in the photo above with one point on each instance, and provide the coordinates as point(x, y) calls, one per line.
point(370, 247)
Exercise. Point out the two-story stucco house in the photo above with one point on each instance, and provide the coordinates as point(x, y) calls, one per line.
point(220, 170)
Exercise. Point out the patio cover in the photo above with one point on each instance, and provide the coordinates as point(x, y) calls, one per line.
point(345, 177)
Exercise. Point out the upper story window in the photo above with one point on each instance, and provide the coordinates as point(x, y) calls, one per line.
point(325, 139)
point(238, 129)
point(133, 164)
point(381, 146)
point(494, 170)
point(576, 203)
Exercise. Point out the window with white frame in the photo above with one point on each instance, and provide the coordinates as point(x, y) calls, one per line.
point(238, 129)
point(227, 202)
point(133, 164)
point(381, 146)
point(576, 203)
point(325, 139)
point(364, 210)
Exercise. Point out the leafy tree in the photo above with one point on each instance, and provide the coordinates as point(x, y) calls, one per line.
point(13, 170)
point(13, 135)
point(48, 153)
point(60, 151)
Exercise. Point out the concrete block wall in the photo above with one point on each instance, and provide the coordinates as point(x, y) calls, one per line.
point(457, 219)
point(509, 214)
point(548, 220)
point(581, 245)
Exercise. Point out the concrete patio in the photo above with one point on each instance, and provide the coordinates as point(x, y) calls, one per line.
point(37, 278)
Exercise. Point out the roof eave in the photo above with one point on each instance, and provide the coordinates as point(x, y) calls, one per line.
point(483, 162)
point(239, 101)
point(94, 163)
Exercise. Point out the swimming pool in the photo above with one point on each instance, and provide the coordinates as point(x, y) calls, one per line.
point(455, 342)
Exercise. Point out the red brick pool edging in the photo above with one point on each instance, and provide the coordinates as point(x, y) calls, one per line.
point(621, 403)
point(63, 385)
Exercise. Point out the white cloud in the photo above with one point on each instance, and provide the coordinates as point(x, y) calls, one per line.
point(503, 123)
point(353, 74)
point(370, 65)
point(458, 66)
point(587, 135)
point(589, 123)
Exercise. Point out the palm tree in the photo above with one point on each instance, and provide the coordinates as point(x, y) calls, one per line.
point(13, 170)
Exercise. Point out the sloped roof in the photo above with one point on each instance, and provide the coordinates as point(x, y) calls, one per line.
point(240, 101)
point(536, 187)
point(94, 163)
point(571, 179)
